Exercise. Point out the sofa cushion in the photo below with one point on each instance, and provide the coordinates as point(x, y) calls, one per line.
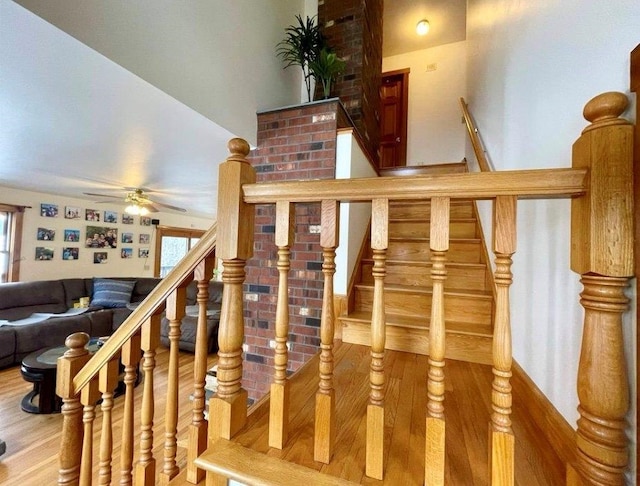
point(143, 287)
point(51, 332)
point(21, 299)
point(7, 345)
point(111, 293)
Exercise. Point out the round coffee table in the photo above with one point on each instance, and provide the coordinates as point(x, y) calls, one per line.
point(40, 369)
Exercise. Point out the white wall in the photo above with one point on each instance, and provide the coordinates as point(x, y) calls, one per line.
point(217, 57)
point(435, 133)
point(531, 68)
point(32, 269)
point(351, 162)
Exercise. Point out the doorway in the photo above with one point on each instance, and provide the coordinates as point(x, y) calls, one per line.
point(394, 103)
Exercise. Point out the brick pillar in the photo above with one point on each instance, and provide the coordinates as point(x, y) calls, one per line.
point(293, 143)
point(353, 29)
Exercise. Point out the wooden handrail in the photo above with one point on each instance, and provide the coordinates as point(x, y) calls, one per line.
point(149, 306)
point(475, 139)
point(478, 185)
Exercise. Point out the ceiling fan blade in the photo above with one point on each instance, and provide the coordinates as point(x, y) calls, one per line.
point(169, 206)
point(151, 207)
point(101, 195)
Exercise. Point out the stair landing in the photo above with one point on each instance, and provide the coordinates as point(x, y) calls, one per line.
point(467, 411)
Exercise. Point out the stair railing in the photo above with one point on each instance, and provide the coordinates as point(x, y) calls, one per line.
point(472, 130)
point(602, 222)
point(83, 379)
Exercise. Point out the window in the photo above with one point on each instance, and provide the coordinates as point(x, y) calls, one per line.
point(172, 244)
point(10, 240)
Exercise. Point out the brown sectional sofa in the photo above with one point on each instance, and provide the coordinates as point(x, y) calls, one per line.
point(21, 299)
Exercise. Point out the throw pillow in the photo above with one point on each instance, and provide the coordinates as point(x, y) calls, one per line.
point(111, 293)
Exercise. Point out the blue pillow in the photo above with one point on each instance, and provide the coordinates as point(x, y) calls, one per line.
point(111, 293)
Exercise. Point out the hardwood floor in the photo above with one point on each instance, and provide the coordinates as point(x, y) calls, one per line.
point(33, 440)
point(467, 409)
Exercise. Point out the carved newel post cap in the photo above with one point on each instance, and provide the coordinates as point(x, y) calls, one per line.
point(605, 109)
point(76, 343)
point(238, 147)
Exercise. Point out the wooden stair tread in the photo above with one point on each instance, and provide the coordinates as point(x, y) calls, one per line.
point(422, 220)
point(250, 467)
point(398, 320)
point(426, 264)
point(481, 294)
point(426, 240)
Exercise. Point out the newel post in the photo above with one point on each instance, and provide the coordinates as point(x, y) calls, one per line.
point(228, 408)
point(602, 253)
point(72, 427)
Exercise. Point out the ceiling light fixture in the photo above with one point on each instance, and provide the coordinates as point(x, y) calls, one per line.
point(136, 210)
point(423, 27)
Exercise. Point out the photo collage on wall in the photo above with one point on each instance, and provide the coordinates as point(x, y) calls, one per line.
point(100, 235)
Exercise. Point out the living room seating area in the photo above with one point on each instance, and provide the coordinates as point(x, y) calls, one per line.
point(26, 324)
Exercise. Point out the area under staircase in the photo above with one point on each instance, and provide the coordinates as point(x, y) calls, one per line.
point(469, 298)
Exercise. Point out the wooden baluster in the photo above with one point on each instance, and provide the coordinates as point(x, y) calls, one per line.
point(435, 429)
point(279, 401)
point(375, 409)
point(146, 465)
point(175, 312)
point(325, 397)
point(501, 439)
point(130, 361)
point(198, 427)
point(71, 443)
point(602, 252)
point(88, 397)
point(107, 382)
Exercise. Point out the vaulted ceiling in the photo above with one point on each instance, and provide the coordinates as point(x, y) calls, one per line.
point(74, 121)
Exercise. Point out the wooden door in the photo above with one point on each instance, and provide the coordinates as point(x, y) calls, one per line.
point(394, 94)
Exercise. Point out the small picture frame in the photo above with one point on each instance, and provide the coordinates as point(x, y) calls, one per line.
point(44, 253)
point(70, 253)
point(72, 212)
point(127, 238)
point(143, 252)
point(145, 220)
point(100, 256)
point(49, 210)
point(110, 217)
point(144, 238)
point(71, 235)
point(126, 253)
point(127, 218)
point(92, 215)
point(45, 234)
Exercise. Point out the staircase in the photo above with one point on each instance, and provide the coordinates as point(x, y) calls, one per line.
point(469, 300)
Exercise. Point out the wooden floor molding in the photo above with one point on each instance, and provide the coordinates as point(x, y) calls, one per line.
point(560, 435)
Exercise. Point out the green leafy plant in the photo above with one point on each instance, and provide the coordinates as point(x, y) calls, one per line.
point(301, 46)
point(325, 68)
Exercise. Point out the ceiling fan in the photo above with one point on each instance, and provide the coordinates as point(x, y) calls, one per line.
point(138, 203)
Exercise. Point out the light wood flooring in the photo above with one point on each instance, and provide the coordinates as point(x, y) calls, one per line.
point(33, 440)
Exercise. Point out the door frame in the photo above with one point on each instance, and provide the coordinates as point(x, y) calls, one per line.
point(171, 231)
point(404, 73)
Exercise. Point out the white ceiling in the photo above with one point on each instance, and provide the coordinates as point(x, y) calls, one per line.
point(447, 19)
point(72, 121)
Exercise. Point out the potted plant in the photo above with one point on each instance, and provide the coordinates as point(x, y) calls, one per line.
point(325, 68)
point(301, 46)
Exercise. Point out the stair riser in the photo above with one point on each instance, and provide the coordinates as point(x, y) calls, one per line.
point(463, 308)
point(423, 210)
point(475, 349)
point(461, 278)
point(418, 229)
point(418, 251)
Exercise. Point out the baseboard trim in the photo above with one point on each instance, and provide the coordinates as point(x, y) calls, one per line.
point(549, 421)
